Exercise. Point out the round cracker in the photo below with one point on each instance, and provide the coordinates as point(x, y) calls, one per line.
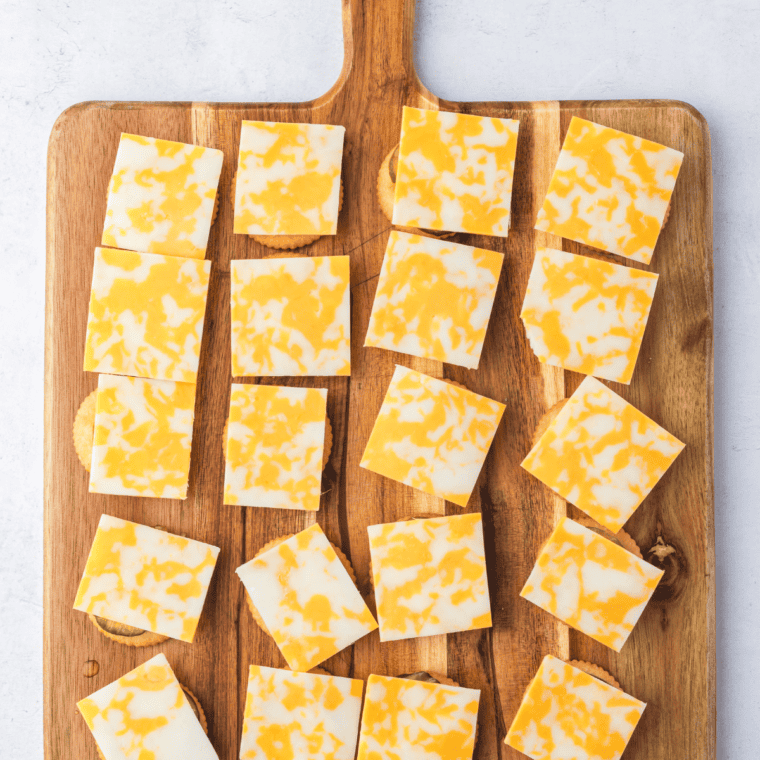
point(285, 242)
point(276, 542)
point(386, 191)
point(195, 705)
point(126, 634)
point(595, 671)
point(84, 429)
point(326, 451)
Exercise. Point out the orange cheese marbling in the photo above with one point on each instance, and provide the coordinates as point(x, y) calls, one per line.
point(432, 435)
point(307, 599)
point(161, 197)
point(291, 316)
point(416, 720)
point(146, 578)
point(146, 315)
point(602, 454)
point(430, 576)
point(455, 172)
point(610, 190)
point(434, 299)
point(275, 440)
point(143, 433)
point(587, 315)
point(146, 716)
point(288, 179)
point(300, 716)
point(567, 714)
point(591, 583)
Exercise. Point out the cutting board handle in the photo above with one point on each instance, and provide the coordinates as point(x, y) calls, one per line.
point(378, 43)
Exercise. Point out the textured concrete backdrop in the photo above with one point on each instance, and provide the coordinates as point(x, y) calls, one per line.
point(54, 54)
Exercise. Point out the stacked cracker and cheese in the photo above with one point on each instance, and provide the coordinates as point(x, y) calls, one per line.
point(290, 317)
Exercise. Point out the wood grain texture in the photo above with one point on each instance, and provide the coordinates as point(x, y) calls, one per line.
point(669, 661)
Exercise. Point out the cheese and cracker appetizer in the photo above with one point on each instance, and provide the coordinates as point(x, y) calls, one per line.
point(455, 172)
point(161, 197)
point(434, 299)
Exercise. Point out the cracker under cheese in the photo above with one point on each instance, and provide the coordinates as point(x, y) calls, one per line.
point(591, 583)
point(430, 576)
point(143, 435)
point(161, 197)
point(146, 578)
point(434, 299)
point(602, 454)
point(306, 598)
point(567, 713)
point(307, 716)
point(288, 179)
point(274, 448)
point(455, 172)
point(145, 715)
point(587, 315)
point(432, 435)
point(146, 315)
point(291, 316)
point(417, 720)
point(610, 190)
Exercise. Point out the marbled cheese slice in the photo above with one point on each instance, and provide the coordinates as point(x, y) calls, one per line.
point(434, 299)
point(146, 315)
point(455, 172)
point(161, 197)
point(432, 435)
point(415, 720)
point(291, 316)
point(307, 599)
point(146, 578)
point(288, 179)
point(567, 713)
point(274, 446)
point(610, 190)
point(145, 716)
point(143, 433)
point(602, 454)
point(300, 715)
point(587, 315)
point(591, 583)
point(430, 576)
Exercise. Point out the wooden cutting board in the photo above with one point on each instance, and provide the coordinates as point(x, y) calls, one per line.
point(669, 661)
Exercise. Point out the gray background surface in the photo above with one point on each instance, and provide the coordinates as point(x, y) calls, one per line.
point(54, 54)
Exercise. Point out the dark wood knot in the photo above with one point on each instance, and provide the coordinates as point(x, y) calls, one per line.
point(667, 557)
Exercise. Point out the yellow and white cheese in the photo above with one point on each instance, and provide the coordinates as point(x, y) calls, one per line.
point(567, 713)
point(275, 440)
point(455, 172)
point(146, 578)
point(291, 316)
point(146, 315)
point(416, 720)
point(432, 435)
point(146, 716)
point(306, 598)
point(430, 576)
point(300, 716)
point(143, 433)
point(591, 583)
point(288, 179)
point(434, 299)
point(610, 190)
point(602, 454)
point(161, 197)
point(587, 315)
